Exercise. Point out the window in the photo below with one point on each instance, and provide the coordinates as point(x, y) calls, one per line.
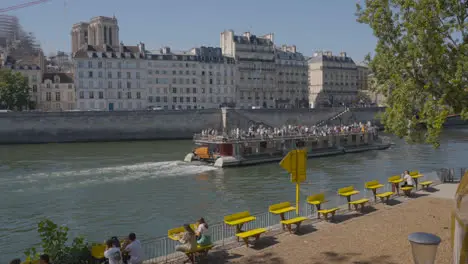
point(211, 81)
point(80, 64)
point(194, 90)
point(81, 95)
point(187, 99)
point(91, 95)
point(109, 84)
point(187, 90)
point(158, 99)
point(194, 81)
point(80, 74)
point(90, 74)
point(109, 75)
point(138, 95)
point(57, 96)
point(70, 96)
point(174, 80)
point(34, 88)
point(100, 74)
point(174, 90)
point(109, 65)
point(129, 75)
point(129, 95)
point(101, 95)
point(119, 84)
point(194, 99)
point(138, 75)
point(129, 85)
point(174, 99)
point(181, 99)
point(165, 99)
point(119, 75)
point(119, 95)
point(99, 65)
point(49, 96)
point(90, 64)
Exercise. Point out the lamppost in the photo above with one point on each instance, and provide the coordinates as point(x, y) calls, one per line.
point(424, 247)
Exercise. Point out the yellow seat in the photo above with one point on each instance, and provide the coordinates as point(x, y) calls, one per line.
point(200, 249)
point(326, 212)
point(294, 221)
point(373, 185)
point(316, 199)
point(395, 179)
point(174, 233)
point(251, 233)
point(407, 190)
point(347, 191)
point(425, 184)
point(28, 261)
point(238, 218)
point(360, 202)
point(97, 251)
point(281, 208)
point(415, 174)
point(384, 196)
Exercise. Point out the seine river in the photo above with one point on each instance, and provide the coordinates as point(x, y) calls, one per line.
point(104, 189)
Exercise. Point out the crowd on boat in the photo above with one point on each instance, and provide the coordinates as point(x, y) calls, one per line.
point(291, 130)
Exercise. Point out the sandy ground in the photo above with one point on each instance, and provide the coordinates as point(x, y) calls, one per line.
point(379, 236)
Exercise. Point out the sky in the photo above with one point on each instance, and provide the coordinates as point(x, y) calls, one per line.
point(311, 25)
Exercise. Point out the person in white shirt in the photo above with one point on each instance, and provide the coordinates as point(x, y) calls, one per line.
point(408, 180)
point(203, 239)
point(112, 253)
point(135, 250)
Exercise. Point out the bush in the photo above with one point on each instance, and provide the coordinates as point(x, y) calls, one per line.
point(54, 240)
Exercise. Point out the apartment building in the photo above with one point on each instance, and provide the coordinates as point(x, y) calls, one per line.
point(362, 77)
point(57, 92)
point(109, 78)
point(333, 80)
point(292, 86)
point(197, 79)
point(108, 75)
point(256, 68)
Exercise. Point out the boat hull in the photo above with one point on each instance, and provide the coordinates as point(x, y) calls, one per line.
point(230, 161)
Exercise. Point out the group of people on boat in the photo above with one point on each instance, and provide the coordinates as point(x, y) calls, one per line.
point(290, 130)
point(191, 239)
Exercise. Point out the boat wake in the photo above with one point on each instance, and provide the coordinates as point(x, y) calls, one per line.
point(123, 173)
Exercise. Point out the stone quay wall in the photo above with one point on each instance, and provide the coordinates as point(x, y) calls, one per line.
point(49, 127)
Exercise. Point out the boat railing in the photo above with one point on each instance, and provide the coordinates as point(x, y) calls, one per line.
point(299, 136)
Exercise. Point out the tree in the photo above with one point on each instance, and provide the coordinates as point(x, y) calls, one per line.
point(420, 62)
point(54, 240)
point(14, 90)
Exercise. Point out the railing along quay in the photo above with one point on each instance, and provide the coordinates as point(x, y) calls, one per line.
point(162, 250)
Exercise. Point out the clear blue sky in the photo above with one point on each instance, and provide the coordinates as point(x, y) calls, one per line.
point(183, 24)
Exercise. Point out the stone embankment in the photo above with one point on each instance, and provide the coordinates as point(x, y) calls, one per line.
point(46, 127)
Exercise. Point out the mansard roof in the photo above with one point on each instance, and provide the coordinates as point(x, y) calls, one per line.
point(106, 51)
point(64, 77)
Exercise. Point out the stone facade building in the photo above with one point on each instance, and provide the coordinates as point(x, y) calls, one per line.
point(57, 92)
point(333, 80)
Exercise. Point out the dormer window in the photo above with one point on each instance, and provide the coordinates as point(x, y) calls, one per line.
point(56, 79)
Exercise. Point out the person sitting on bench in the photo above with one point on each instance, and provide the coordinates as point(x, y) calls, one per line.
point(408, 180)
point(188, 240)
point(203, 239)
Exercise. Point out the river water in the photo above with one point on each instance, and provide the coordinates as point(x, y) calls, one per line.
point(104, 189)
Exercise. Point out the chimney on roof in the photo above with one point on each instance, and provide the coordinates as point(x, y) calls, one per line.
point(141, 47)
point(166, 50)
point(343, 54)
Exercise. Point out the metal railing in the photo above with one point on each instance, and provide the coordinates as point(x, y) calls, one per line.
point(160, 250)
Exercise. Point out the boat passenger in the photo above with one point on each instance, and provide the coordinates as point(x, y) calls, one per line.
point(112, 252)
point(408, 180)
point(116, 241)
point(135, 250)
point(203, 239)
point(188, 240)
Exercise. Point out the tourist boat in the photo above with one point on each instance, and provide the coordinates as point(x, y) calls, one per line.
point(224, 151)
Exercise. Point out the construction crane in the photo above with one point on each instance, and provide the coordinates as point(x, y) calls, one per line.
point(20, 6)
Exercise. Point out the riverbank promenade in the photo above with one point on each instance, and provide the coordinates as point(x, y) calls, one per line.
point(379, 235)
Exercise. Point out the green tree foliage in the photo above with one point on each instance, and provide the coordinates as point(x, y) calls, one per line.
point(420, 62)
point(14, 90)
point(54, 242)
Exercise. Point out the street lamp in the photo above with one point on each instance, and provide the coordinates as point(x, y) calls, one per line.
point(424, 247)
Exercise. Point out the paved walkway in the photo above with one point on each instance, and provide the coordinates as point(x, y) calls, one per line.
point(379, 236)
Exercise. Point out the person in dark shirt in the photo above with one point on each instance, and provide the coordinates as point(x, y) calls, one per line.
point(44, 259)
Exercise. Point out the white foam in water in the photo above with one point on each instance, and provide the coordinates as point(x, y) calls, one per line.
point(147, 170)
